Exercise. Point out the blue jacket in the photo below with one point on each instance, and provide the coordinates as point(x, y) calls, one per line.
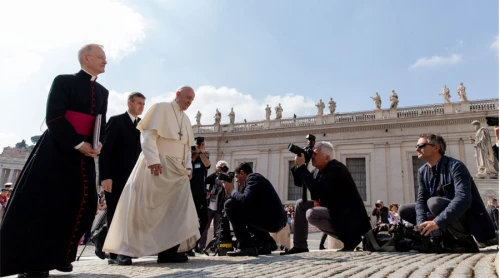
point(454, 183)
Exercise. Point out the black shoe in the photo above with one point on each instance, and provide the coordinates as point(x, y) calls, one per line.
point(267, 248)
point(322, 247)
point(120, 260)
point(177, 258)
point(34, 274)
point(295, 250)
point(198, 250)
point(190, 253)
point(101, 255)
point(65, 268)
point(248, 251)
point(350, 245)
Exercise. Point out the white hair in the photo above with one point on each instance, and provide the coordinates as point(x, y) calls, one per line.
point(183, 88)
point(220, 163)
point(325, 148)
point(86, 49)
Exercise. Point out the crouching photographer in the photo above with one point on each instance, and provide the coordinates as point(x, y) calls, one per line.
point(341, 213)
point(257, 210)
point(449, 208)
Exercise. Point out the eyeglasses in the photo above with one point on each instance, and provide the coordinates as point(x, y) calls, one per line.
point(421, 146)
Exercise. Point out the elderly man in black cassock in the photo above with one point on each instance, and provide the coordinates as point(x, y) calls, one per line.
point(39, 232)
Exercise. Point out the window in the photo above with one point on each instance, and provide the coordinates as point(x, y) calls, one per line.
point(357, 168)
point(294, 192)
point(416, 163)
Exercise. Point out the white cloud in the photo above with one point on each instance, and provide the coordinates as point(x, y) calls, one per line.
point(47, 28)
point(494, 44)
point(208, 98)
point(437, 61)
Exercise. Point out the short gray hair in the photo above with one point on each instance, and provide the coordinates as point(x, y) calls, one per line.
point(326, 148)
point(435, 140)
point(86, 49)
point(220, 163)
point(183, 88)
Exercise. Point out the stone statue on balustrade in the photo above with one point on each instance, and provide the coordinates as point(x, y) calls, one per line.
point(217, 116)
point(268, 112)
point(461, 93)
point(394, 100)
point(377, 100)
point(446, 94)
point(332, 105)
point(231, 116)
point(278, 109)
point(321, 107)
point(485, 157)
point(198, 117)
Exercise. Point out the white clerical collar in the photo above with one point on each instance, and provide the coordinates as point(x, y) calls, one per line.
point(131, 117)
point(176, 106)
point(93, 77)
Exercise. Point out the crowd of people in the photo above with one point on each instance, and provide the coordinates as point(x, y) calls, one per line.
point(153, 172)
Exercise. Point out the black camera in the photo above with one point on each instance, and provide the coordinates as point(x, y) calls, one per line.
point(307, 150)
point(226, 177)
point(377, 205)
point(492, 121)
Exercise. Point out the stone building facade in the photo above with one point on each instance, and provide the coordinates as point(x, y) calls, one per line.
point(11, 163)
point(377, 146)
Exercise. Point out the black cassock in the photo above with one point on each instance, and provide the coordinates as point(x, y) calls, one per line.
point(54, 200)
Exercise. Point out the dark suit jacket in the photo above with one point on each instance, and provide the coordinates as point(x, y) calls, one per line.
point(261, 202)
point(339, 194)
point(120, 152)
point(456, 184)
point(493, 213)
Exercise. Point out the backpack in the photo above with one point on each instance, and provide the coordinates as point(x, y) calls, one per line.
point(379, 239)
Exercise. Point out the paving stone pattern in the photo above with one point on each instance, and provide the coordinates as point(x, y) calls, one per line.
point(325, 263)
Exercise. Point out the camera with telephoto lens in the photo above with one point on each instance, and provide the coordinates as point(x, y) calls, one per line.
point(225, 177)
point(307, 150)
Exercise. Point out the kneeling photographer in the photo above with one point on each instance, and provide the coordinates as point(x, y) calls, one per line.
point(449, 208)
point(341, 212)
point(257, 210)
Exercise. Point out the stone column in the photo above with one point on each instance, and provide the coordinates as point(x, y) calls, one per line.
point(395, 187)
point(1, 176)
point(380, 180)
point(393, 113)
point(379, 114)
point(465, 106)
point(11, 174)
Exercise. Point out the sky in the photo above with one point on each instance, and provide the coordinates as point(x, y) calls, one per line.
point(246, 54)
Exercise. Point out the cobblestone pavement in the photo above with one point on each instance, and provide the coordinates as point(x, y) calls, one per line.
point(325, 263)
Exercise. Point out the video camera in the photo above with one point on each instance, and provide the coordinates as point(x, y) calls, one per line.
point(307, 150)
point(492, 121)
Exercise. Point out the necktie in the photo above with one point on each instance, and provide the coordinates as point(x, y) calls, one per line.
point(135, 122)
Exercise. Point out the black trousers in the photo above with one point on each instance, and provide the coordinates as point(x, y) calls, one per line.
point(111, 203)
point(245, 222)
point(200, 203)
point(436, 205)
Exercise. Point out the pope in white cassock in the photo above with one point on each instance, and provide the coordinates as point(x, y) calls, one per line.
point(156, 213)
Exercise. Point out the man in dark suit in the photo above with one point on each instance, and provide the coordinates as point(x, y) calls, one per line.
point(118, 158)
point(341, 212)
point(492, 208)
point(448, 201)
point(258, 210)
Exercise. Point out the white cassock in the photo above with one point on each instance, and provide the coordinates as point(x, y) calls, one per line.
point(155, 213)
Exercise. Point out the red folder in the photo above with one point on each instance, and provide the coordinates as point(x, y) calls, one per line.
point(83, 123)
